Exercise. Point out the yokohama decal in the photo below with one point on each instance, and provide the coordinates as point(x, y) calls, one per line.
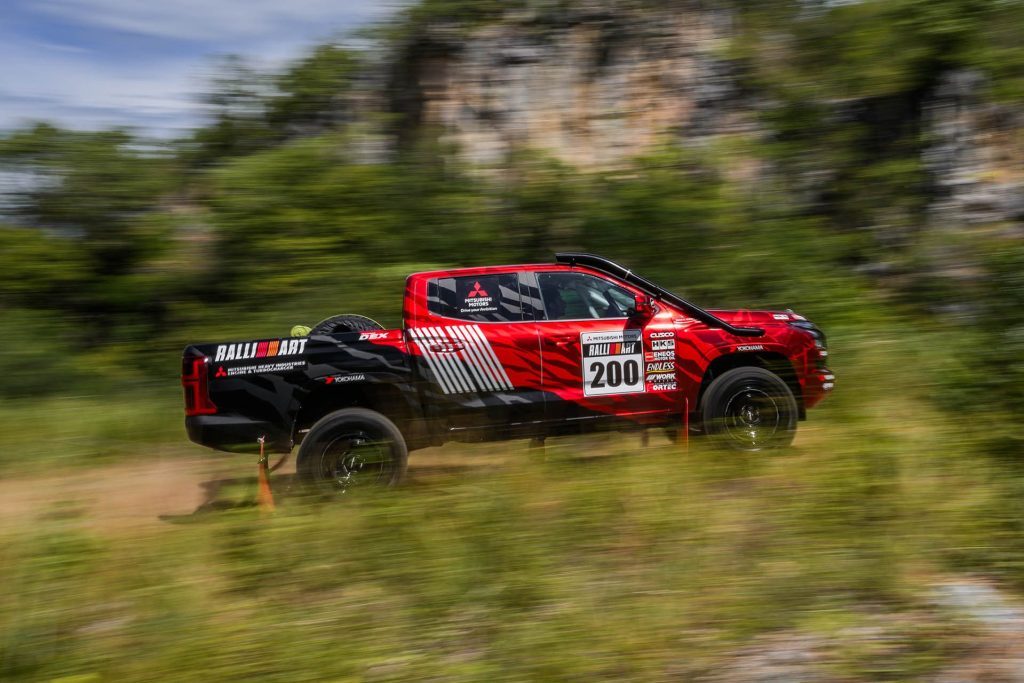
point(461, 359)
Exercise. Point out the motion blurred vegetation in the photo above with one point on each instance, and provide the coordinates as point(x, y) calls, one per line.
point(297, 199)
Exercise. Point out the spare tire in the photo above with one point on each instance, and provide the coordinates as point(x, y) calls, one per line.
point(338, 324)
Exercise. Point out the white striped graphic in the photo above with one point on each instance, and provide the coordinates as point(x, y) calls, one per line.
point(470, 366)
point(435, 369)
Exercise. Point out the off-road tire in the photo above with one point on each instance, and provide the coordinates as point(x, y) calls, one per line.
point(328, 455)
point(750, 409)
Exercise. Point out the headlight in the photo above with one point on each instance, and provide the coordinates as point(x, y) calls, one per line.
point(819, 337)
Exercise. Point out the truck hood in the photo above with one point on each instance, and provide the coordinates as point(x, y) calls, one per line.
point(743, 317)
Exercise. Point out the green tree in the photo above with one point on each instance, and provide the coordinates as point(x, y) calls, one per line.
point(93, 193)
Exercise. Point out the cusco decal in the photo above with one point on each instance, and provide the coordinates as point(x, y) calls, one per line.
point(275, 348)
point(461, 359)
point(613, 363)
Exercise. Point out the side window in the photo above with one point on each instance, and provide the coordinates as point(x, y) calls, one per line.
point(578, 296)
point(478, 298)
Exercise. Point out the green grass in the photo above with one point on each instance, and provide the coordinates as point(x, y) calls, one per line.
point(608, 568)
point(645, 564)
point(51, 434)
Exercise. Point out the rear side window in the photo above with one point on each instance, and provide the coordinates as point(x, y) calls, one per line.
point(478, 298)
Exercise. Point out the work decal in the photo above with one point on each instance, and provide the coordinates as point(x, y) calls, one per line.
point(461, 359)
point(660, 368)
point(613, 363)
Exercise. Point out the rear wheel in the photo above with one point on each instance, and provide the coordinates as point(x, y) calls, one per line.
point(750, 409)
point(351, 449)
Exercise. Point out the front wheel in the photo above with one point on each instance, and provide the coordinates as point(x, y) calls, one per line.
point(351, 449)
point(750, 409)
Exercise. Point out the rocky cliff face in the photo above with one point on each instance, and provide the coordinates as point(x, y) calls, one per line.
point(595, 88)
point(976, 155)
point(590, 89)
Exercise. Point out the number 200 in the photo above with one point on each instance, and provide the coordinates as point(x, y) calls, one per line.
point(616, 372)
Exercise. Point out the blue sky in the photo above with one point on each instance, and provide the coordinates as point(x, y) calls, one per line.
point(141, 63)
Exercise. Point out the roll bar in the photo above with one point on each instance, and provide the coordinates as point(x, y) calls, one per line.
point(614, 269)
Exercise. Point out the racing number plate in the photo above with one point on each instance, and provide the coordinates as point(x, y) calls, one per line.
point(613, 362)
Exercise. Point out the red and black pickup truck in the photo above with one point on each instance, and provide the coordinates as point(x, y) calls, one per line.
point(505, 352)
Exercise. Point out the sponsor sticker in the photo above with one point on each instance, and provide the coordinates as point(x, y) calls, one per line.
point(342, 379)
point(273, 348)
point(613, 362)
point(364, 336)
point(751, 347)
point(659, 355)
point(663, 366)
point(238, 370)
point(662, 335)
point(479, 296)
point(780, 316)
point(663, 344)
point(661, 377)
point(666, 386)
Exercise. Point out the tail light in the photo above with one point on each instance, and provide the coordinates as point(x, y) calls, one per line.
point(195, 376)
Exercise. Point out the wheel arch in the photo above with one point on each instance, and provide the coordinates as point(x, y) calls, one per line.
point(772, 361)
point(387, 399)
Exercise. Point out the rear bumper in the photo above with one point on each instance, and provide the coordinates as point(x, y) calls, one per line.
point(817, 386)
point(235, 433)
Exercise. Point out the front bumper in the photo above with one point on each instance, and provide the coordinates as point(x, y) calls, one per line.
point(235, 433)
point(818, 384)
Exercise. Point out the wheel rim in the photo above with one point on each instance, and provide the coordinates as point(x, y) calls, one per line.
point(356, 459)
point(752, 417)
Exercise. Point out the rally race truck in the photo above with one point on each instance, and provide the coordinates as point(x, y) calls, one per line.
point(506, 352)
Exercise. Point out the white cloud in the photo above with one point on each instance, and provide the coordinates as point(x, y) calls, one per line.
point(155, 90)
point(40, 84)
point(215, 20)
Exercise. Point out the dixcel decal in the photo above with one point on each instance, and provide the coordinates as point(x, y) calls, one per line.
point(261, 349)
point(373, 335)
point(461, 359)
point(612, 362)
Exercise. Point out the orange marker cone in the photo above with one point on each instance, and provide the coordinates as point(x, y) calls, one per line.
point(264, 496)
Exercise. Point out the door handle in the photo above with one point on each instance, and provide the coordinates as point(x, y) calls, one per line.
point(447, 347)
point(562, 341)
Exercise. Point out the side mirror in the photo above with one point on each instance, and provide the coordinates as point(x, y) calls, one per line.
point(643, 307)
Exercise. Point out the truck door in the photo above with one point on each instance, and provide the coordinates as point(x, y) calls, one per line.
point(478, 353)
point(597, 361)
